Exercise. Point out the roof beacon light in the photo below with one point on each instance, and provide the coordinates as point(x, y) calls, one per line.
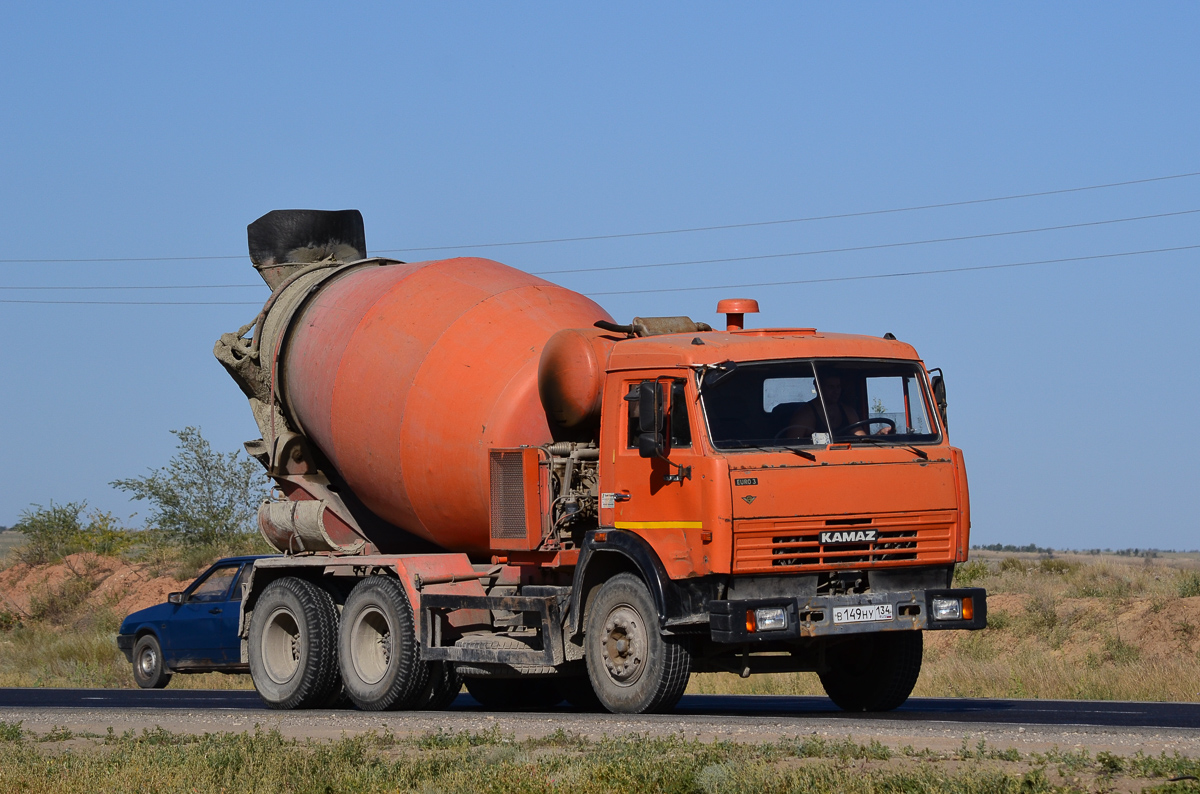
point(735, 310)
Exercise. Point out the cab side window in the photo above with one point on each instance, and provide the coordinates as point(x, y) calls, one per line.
point(681, 430)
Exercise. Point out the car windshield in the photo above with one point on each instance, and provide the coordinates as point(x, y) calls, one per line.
point(215, 586)
point(807, 403)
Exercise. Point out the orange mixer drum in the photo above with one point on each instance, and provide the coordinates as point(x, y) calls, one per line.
point(404, 375)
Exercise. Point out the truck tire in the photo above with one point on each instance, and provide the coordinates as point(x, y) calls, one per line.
point(442, 688)
point(293, 645)
point(577, 690)
point(873, 672)
point(377, 647)
point(514, 694)
point(633, 667)
point(149, 670)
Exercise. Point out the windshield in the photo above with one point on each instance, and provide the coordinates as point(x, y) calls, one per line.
point(806, 403)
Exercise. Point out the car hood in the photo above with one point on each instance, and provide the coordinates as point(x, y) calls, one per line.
point(149, 615)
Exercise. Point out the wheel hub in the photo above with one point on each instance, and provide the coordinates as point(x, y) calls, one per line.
point(371, 645)
point(148, 661)
point(624, 645)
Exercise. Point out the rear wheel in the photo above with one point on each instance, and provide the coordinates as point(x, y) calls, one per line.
point(633, 668)
point(377, 646)
point(873, 672)
point(293, 645)
point(512, 694)
point(149, 671)
point(442, 688)
point(577, 690)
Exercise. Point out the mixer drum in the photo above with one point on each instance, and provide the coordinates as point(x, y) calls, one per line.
point(404, 375)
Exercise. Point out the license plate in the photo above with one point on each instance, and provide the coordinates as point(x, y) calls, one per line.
point(864, 613)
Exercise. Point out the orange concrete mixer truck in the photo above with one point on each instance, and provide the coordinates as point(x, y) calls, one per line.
point(483, 478)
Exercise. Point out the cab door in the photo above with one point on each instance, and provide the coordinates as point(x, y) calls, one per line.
point(660, 498)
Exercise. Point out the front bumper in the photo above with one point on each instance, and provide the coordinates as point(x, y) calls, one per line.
point(812, 616)
point(125, 646)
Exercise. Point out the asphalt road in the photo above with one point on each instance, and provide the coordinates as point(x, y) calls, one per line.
point(916, 710)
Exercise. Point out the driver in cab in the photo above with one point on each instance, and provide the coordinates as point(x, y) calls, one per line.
point(808, 417)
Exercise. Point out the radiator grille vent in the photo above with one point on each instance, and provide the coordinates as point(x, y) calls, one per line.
point(766, 546)
point(508, 494)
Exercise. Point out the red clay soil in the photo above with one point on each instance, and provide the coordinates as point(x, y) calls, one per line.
point(122, 586)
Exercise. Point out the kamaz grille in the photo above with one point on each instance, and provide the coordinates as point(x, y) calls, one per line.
point(508, 494)
point(766, 546)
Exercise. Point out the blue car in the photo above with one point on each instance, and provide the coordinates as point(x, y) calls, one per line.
point(195, 631)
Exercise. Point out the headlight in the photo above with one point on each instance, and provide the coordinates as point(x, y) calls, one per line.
point(947, 609)
point(770, 618)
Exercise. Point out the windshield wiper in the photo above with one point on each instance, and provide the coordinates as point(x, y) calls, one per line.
point(747, 445)
point(920, 453)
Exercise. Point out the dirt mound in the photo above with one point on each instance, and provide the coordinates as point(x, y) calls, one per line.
point(114, 584)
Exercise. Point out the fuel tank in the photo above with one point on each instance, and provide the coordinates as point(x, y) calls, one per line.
point(404, 375)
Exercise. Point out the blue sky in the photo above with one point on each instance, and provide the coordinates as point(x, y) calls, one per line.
point(152, 130)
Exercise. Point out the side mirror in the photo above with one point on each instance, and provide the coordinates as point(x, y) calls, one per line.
point(653, 408)
point(174, 598)
point(939, 395)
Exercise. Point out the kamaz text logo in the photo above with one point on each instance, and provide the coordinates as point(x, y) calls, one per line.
point(848, 536)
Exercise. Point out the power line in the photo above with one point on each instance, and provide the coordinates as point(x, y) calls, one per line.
point(137, 303)
point(901, 274)
point(688, 230)
point(868, 247)
point(704, 261)
point(831, 279)
point(260, 285)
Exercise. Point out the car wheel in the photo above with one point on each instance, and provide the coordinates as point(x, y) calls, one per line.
point(149, 670)
point(633, 668)
point(377, 646)
point(293, 645)
point(514, 694)
point(873, 672)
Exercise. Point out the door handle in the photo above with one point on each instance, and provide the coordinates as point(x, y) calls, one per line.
point(214, 611)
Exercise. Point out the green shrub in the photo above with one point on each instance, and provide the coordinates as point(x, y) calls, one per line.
point(1189, 584)
point(1013, 564)
point(1055, 566)
point(201, 497)
point(9, 620)
point(58, 530)
point(971, 572)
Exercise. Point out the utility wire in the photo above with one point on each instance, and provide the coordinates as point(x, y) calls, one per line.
point(259, 285)
point(138, 303)
point(711, 261)
point(810, 218)
point(868, 247)
point(901, 274)
point(688, 230)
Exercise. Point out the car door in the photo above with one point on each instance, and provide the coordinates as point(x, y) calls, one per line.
point(203, 631)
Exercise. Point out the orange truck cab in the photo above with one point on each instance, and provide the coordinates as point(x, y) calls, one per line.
point(486, 480)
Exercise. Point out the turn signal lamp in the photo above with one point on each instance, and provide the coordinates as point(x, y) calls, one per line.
point(968, 609)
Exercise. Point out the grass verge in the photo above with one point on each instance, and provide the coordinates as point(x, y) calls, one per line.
point(265, 761)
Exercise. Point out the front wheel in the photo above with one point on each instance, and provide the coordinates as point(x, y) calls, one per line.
point(873, 672)
point(633, 667)
point(149, 671)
